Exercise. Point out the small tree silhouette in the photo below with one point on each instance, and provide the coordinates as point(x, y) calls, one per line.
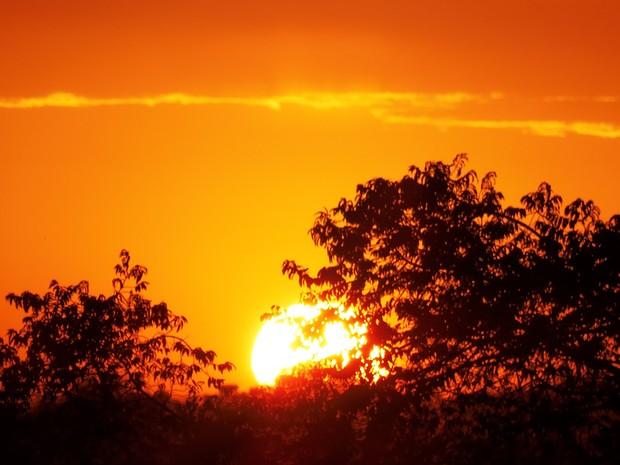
point(114, 345)
point(466, 295)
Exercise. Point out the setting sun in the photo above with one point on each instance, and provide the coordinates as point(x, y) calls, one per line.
point(281, 344)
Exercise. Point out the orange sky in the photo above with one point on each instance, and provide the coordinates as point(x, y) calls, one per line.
point(204, 138)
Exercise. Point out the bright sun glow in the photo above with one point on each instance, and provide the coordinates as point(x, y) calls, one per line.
point(281, 344)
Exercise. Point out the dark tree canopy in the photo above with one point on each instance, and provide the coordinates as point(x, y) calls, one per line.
point(71, 340)
point(467, 294)
point(499, 326)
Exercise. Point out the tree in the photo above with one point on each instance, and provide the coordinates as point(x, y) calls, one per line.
point(467, 295)
point(72, 341)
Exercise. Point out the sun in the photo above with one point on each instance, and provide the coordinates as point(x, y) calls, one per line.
point(282, 345)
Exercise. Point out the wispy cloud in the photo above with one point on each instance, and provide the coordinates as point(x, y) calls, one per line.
point(581, 99)
point(319, 100)
point(388, 107)
point(375, 100)
point(549, 128)
point(69, 100)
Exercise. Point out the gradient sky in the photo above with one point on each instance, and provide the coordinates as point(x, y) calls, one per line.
point(204, 138)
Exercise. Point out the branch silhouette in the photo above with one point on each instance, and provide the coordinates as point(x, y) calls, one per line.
point(475, 297)
point(71, 339)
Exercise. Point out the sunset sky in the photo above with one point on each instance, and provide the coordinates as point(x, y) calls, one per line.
point(204, 138)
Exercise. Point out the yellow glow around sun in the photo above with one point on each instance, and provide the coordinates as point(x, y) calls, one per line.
point(281, 344)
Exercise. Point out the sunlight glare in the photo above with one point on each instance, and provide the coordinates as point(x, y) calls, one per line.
point(281, 344)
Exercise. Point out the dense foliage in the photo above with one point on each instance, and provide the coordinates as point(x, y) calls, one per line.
point(499, 327)
point(300, 424)
point(468, 295)
point(72, 342)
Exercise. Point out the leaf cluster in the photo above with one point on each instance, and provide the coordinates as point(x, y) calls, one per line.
point(71, 341)
point(468, 295)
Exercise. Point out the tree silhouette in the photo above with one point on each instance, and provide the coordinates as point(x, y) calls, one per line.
point(499, 327)
point(466, 295)
point(72, 342)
